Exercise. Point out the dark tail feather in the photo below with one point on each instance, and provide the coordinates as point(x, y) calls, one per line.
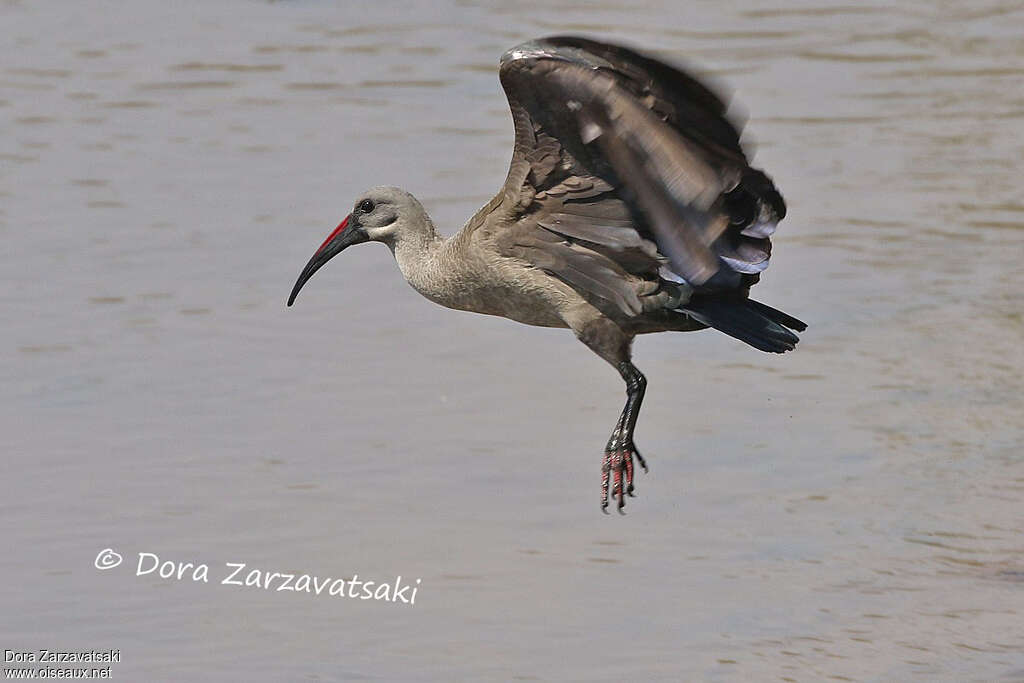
point(777, 316)
point(751, 322)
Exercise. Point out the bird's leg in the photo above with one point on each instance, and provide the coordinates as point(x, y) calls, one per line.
point(620, 451)
point(612, 343)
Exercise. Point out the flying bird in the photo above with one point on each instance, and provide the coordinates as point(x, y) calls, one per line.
point(630, 207)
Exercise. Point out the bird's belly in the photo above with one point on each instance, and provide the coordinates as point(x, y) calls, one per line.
point(522, 304)
point(540, 316)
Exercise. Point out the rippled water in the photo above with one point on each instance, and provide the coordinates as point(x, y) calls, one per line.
point(851, 511)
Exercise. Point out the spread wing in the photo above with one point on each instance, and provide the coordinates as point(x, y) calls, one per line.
point(627, 175)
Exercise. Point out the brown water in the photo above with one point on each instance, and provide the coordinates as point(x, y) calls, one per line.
point(851, 511)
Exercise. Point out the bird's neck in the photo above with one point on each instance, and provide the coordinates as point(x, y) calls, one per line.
point(424, 261)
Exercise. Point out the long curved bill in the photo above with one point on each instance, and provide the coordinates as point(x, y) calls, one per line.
point(342, 238)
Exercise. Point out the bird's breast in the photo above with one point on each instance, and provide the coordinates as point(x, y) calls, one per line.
point(490, 291)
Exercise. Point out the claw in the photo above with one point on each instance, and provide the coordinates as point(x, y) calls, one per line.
point(617, 467)
point(606, 467)
point(617, 472)
point(628, 462)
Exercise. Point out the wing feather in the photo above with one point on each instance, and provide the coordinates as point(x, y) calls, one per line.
point(626, 172)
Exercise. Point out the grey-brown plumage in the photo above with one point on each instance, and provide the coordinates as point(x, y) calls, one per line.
point(629, 208)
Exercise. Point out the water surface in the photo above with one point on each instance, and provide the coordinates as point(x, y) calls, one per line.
point(851, 511)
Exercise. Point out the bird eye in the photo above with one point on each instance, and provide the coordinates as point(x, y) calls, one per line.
point(366, 206)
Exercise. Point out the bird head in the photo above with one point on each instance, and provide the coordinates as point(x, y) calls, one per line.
point(381, 214)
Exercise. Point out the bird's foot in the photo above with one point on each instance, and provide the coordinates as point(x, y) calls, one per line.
point(617, 473)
